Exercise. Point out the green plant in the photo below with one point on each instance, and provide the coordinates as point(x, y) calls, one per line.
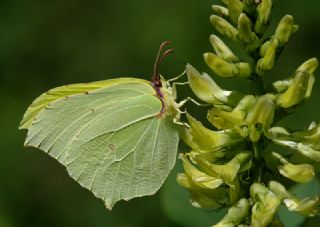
point(118, 138)
point(239, 165)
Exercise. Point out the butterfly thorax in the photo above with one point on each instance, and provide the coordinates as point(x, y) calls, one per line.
point(164, 93)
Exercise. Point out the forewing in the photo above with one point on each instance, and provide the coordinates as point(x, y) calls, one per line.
point(65, 91)
point(64, 124)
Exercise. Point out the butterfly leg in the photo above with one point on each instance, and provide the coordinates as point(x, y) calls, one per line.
point(183, 102)
point(180, 111)
point(176, 121)
point(177, 77)
point(174, 84)
point(174, 88)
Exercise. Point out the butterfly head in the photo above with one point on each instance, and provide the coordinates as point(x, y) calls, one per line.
point(157, 79)
point(161, 86)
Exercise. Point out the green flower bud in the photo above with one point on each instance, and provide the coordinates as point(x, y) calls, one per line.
point(265, 205)
point(235, 9)
point(306, 143)
point(266, 63)
point(225, 2)
point(204, 87)
point(197, 178)
point(286, 28)
point(234, 191)
point(264, 15)
point(220, 10)
point(222, 50)
point(206, 200)
point(183, 180)
point(307, 68)
point(249, 6)
point(311, 136)
point(301, 173)
point(277, 134)
point(199, 198)
point(253, 45)
point(210, 156)
point(209, 140)
point(312, 125)
point(308, 151)
point(220, 66)
point(265, 46)
point(224, 108)
point(262, 111)
point(245, 33)
point(205, 191)
point(225, 69)
point(279, 190)
point(187, 138)
point(202, 200)
point(236, 214)
point(244, 68)
point(228, 171)
point(262, 114)
point(299, 89)
point(310, 65)
point(223, 27)
point(308, 207)
point(281, 85)
point(222, 119)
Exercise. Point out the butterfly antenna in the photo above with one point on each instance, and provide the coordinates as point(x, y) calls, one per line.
point(165, 54)
point(160, 57)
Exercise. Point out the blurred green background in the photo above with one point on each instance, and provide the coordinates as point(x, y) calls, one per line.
point(44, 44)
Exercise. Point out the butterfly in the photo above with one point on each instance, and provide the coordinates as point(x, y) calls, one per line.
point(118, 137)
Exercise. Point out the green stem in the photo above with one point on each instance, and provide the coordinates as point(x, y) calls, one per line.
point(257, 153)
point(258, 85)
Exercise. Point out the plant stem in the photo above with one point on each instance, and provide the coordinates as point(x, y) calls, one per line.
point(258, 85)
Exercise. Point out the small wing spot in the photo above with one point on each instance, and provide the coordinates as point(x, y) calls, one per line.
point(112, 147)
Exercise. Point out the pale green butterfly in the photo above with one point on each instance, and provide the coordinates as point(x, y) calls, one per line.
point(117, 138)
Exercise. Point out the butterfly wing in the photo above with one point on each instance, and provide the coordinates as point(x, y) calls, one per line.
point(68, 90)
point(112, 140)
point(129, 163)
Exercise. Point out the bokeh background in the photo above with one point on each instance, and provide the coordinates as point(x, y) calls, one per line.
point(44, 44)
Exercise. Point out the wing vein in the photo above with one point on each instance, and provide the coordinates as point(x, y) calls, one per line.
point(152, 155)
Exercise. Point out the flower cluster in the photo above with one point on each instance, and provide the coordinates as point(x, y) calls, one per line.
point(236, 164)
